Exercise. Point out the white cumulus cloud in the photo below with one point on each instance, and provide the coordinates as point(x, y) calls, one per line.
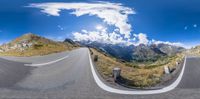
point(111, 13)
point(167, 42)
point(142, 39)
point(114, 14)
point(100, 36)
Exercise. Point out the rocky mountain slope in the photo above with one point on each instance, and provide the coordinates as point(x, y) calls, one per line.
point(70, 41)
point(195, 51)
point(31, 45)
point(140, 53)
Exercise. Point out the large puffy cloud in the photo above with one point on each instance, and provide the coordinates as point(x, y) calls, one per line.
point(111, 13)
point(114, 14)
point(115, 38)
point(142, 39)
point(167, 42)
point(100, 36)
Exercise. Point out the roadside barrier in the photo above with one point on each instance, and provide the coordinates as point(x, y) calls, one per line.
point(95, 58)
point(116, 73)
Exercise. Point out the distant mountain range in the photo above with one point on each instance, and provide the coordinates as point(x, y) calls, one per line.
point(140, 53)
point(31, 44)
point(195, 51)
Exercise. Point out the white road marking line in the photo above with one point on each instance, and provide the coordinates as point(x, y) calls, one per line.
point(138, 92)
point(47, 63)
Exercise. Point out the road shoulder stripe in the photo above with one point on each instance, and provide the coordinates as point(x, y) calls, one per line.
point(47, 63)
point(137, 92)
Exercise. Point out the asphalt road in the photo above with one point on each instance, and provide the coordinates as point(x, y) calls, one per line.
point(191, 76)
point(71, 78)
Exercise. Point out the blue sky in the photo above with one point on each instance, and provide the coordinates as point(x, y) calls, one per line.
point(166, 20)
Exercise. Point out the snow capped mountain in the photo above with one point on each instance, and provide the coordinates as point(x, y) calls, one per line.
point(140, 53)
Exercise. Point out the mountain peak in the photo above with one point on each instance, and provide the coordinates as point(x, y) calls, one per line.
point(29, 34)
point(69, 41)
point(140, 53)
point(29, 37)
point(24, 42)
point(31, 44)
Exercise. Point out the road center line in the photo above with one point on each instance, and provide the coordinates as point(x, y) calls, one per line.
point(47, 63)
point(137, 92)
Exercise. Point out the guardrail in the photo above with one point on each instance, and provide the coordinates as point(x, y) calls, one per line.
point(173, 72)
point(116, 73)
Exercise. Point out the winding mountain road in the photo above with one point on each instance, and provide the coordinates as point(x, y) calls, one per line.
point(69, 75)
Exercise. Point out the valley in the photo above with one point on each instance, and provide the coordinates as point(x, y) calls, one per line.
point(142, 66)
point(133, 74)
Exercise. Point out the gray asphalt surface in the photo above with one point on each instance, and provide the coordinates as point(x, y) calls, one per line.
point(191, 76)
point(72, 78)
point(36, 59)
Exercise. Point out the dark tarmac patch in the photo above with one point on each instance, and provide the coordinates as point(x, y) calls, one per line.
point(12, 72)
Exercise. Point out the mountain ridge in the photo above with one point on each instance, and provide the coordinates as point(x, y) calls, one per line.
point(31, 45)
point(140, 53)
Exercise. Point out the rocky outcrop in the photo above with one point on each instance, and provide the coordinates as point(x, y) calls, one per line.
point(140, 53)
point(22, 45)
point(32, 45)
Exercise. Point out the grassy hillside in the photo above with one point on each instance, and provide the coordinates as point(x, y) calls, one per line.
point(194, 51)
point(137, 76)
point(32, 45)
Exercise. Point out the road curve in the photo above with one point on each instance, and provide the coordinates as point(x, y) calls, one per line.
point(72, 77)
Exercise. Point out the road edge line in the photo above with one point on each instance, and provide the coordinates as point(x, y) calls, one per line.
point(47, 63)
point(137, 92)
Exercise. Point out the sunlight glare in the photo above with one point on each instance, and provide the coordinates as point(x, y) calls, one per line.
point(99, 27)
